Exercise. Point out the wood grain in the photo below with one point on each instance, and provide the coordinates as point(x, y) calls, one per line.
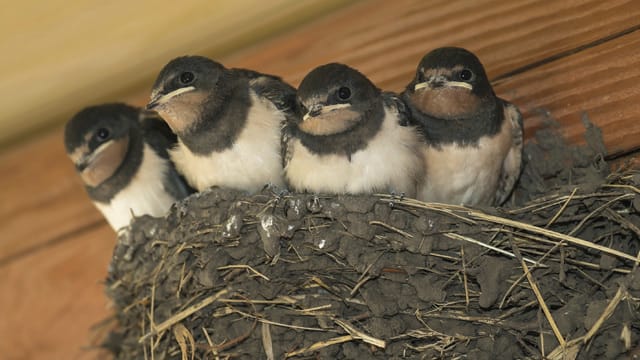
point(600, 82)
point(42, 199)
point(51, 299)
point(386, 39)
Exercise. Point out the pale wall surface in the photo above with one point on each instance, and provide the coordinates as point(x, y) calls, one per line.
point(59, 55)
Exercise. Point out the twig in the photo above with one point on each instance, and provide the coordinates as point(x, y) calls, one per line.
point(185, 340)
point(622, 221)
point(555, 199)
point(526, 273)
point(152, 304)
point(608, 311)
point(536, 291)
point(244, 267)
point(447, 209)
point(357, 334)
point(361, 282)
point(596, 211)
point(586, 264)
point(632, 188)
point(182, 315)
point(477, 242)
point(267, 342)
point(213, 349)
point(281, 300)
point(564, 206)
point(265, 321)
point(553, 234)
point(242, 337)
point(464, 277)
point(392, 228)
point(319, 345)
point(311, 311)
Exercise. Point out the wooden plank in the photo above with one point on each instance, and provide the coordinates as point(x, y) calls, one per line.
point(60, 54)
point(42, 198)
point(49, 300)
point(386, 39)
point(601, 82)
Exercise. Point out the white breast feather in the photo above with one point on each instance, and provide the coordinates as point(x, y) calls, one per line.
point(253, 161)
point(465, 175)
point(390, 162)
point(144, 195)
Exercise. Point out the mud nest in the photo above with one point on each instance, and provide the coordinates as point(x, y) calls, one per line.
point(279, 275)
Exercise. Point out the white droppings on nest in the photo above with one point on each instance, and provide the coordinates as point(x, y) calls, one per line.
point(267, 223)
point(231, 223)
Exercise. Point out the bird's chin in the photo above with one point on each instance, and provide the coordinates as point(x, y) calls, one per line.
point(445, 102)
point(331, 123)
point(105, 163)
point(179, 115)
point(93, 176)
point(181, 111)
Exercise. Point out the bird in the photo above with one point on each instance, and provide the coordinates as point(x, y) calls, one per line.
point(472, 139)
point(228, 122)
point(349, 137)
point(121, 154)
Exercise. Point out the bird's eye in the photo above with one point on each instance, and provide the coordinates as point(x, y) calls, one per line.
point(300, 105)
point(102, 134)
point(186, 77)
point(466, 75)
point(344, 93)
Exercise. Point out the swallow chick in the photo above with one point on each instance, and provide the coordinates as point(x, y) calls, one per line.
point(228, 122)
point(349, 138)
point(472, 139)
point(120, 153)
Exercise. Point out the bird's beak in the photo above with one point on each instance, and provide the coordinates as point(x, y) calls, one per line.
point(461, 84)
point(314, 110)
point(159, 98)
point(83, 162)
point(441, 81)
point(317, 109)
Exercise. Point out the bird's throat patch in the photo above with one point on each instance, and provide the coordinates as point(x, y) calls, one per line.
point(446, 102)
point(106, 162)
point(330, 123)
point(182, 111)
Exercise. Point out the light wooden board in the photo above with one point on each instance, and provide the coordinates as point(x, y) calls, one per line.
point(51, 299)
point(600, 82)
point(60, 54)
point(42, 199)
point(386, 39)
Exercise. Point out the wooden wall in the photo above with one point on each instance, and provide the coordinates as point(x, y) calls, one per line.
point(58, 55)
point(559, 59)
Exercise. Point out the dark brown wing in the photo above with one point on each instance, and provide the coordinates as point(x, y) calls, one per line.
point(395, 101)
point(512, 165)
